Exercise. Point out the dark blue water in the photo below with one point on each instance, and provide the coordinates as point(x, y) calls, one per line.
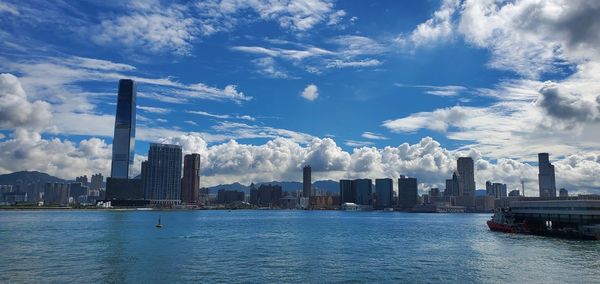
point(280, 246)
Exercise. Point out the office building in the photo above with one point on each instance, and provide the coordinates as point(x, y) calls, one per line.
point(497, 190)
point(191, 179)
point(163, 174)
point(306, 182)
point(363, 188)
point(408, 195)
point(124, 134)
point(56, 193)
point(466, 176)
point(229, 196)
point(347, 192)
point(452, 186)
point(384, 188)
point(546, 177)
point(514, 193)
point(563, 193)
point(268, 195)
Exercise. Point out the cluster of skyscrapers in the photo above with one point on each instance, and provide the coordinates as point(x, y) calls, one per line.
point(160, 181)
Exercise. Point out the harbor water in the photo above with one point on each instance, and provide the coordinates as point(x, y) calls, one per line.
point(253, 246)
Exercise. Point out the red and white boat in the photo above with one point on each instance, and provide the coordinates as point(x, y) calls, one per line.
point(503, 221)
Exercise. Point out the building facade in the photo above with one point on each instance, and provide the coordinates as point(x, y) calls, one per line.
point(408, 195)
point(384, 189)
point(191, 179)
point(363, 189)
point(452, 186)
point(124, 135)
point(163, 174)
point(466, 176)
point(347, 192)
point(547, 181)
point(306, 182)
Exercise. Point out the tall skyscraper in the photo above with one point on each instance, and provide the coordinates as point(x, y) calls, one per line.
point(384, 188)
point(124, 137)
point(163, 176)
point(466, 176)
point(347, 193)
point(191, 178)
point(306, 182)
point(408, 195)
point(452, 186)
point(363, 189)
point(546, 176)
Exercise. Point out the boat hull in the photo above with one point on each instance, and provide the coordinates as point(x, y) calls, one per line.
point(501, 227)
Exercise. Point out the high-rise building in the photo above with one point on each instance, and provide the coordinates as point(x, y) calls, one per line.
point(229, 196)
point(163, 174)
point(96, 182)
point(497, 190)
point(546, 176)
point(347, 192)
point(191, 178)
point(408, 195)
point(563, 193)
point(452, 186)
point(306, 182)
point(466, 176)
point(82, 179)
point(124, 135)
point(268, 195)
point(384, 188)
point(363, 189)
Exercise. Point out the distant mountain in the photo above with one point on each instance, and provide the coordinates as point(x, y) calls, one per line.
point(325, 185)
point(26, 177)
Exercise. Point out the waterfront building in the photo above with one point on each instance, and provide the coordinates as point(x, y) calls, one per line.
point(384, 188)
point(123, 189)
point(546, 177)
point(452, 186)
point(563, 193)
point(229, 196)
point(77, 189)
point(163, 174)
point(203, 195)
point(191, 178)
point(253, 194)
point(306, 182)
point(56, 193)
point(289, 202)
point(466, 176)
point(324, 202)
point(124, 133)
point(363, 190)
point(514, 193)
point(347, 192)
point(408, 195)
point(268, 195)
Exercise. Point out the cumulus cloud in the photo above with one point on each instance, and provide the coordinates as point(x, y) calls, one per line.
point(562, 104)
point(15, 108)
point(310, 93)
point(282, 159)
point(438, 28)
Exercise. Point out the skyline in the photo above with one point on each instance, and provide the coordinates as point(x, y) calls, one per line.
point(372, 104)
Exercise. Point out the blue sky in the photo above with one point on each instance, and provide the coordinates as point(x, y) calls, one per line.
point(335, 81)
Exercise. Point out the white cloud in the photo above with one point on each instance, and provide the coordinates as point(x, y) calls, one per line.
point(442, 91)
point(310, 93)
point(355, 143)
point(157, 29)
point(438, 28)
point(360, 63)
point(269, 68)
point(222, 116)
point(8, 8)
point(150, 109)
point(15, 108)
point(373, 136)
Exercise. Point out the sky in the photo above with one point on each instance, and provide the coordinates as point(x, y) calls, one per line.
point(353, 88)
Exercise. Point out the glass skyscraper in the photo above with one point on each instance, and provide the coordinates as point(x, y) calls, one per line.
point(124, 137)
point(546, 177)
point(163, 174)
